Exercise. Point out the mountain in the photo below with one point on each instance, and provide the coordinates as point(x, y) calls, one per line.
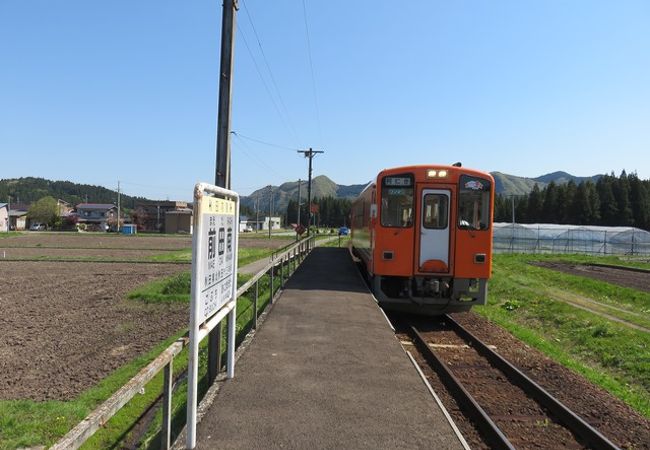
point(30, 189)
point(324, 187)
point(321, 186)
point(513, 185)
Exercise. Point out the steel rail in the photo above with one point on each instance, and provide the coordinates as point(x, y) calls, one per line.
point(591, 436)
point(484, 423)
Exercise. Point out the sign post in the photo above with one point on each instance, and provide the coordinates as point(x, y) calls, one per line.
point(214, 281)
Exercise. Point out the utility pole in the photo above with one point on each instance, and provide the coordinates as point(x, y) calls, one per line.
point(257, 212)
point(222, 171)
point(309, 154)
point(299, 196)
point(270, 207)
point(8, 213)
point(118, 206)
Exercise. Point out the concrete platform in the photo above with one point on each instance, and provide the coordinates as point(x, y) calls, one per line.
point(325, 371)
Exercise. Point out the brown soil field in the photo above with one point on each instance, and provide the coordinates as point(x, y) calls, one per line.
point(65, 326)
point(96, 240)
point(72, 253)
point(621, 277)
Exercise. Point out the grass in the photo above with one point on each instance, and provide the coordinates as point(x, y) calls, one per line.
point(10, 234)
point(612, 355)
point(25, 423)
point(246, 256)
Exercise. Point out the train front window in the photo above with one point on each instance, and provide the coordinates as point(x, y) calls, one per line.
point(474, 203)
point(397, 201)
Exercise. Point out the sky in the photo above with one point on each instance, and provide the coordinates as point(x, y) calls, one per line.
point(96, 92)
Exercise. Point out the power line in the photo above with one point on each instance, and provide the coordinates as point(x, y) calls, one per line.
point(259, 141)
point(311, 66)
point(268, 67)
point(266, 86)
point(252, 155)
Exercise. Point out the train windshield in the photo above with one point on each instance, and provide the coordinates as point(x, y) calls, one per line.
point(397, 201)
point(474, 203)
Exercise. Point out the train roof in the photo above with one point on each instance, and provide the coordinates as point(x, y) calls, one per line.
point(422, 167)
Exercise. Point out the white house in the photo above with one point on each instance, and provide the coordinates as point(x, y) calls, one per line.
point(4, 217)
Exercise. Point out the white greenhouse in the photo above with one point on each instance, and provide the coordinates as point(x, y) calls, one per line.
point(551, 238)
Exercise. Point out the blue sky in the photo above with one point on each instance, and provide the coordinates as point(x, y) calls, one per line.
point(94, 92)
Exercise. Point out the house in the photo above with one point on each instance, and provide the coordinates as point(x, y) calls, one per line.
point(4, 217)
point(178, 221)
point(17, 220)
point(64, 207)
point(262, 224)
point(150, 215)
point(97, 215)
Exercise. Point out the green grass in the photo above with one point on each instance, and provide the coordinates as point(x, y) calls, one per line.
point(10, 234)
point(609, 354)
point(246, 255)
point(25, 423)
point(335, 242)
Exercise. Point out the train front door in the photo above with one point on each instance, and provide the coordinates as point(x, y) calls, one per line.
point(434, 230)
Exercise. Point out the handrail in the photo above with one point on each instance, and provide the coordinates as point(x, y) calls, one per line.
point(164, 361)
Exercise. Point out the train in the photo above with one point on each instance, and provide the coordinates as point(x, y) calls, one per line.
point(423, 235)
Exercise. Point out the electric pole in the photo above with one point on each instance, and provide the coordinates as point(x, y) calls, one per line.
point(118, 206)
point(309, 154)
point(299, 195)
point(222, 172)
point(257, 212)
point(270, 207)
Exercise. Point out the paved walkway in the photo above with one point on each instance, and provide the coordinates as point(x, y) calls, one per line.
point(325, 371)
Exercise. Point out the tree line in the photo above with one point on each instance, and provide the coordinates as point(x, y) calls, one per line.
point(330, 212)
point(611, 201)
point(30, 189)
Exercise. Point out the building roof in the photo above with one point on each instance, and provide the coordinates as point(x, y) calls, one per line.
point(17, 213)
point(180, 211)
point(96, 206)
point(2, 205)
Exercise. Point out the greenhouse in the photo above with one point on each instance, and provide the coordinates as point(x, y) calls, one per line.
point(551, 238)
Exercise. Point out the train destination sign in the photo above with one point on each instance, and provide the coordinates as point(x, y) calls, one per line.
point(214, 282)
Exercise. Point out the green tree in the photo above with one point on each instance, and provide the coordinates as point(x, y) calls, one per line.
point(550, 206)
point(535, 203)
point(45, 210)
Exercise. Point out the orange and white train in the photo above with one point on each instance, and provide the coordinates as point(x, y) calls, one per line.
point(424, 235)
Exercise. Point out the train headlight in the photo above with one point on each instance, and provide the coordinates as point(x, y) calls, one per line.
point(436, 173)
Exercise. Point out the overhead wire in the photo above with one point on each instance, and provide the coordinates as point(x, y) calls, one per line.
point(268, 67)
point(259, 141)
point(244, 147)
point(311, 67)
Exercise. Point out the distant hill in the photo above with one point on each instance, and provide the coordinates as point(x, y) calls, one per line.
point(514, 185)
point(30, 189)
point(324, 187)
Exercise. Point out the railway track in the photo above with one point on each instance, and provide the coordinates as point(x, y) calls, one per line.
point(508, 409)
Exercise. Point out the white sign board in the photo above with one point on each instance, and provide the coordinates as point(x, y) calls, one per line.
point(215, 249)
point(214, 281)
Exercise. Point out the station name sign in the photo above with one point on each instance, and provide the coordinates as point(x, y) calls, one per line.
point(217, 224)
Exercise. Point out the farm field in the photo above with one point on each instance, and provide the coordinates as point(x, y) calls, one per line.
point(595, 321)
point(71, 335)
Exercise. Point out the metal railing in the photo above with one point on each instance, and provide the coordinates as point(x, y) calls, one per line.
point(283, 265)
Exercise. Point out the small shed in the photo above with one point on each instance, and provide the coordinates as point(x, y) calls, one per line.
point(129, 228)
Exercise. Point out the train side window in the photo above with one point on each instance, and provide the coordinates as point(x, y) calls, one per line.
point(397, 201)
point(435, 210)
point(474, 203)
